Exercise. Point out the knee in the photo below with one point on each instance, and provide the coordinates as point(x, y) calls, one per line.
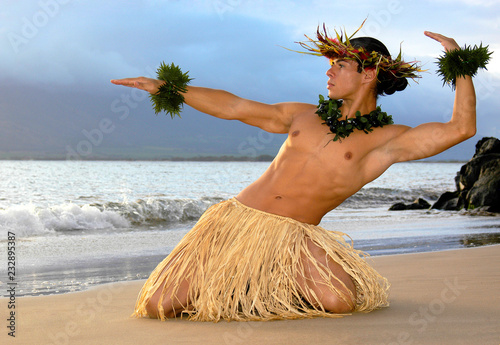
point(337, 305)
point(152, 308)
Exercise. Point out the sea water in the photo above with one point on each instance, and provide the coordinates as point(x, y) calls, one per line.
point(78, 224)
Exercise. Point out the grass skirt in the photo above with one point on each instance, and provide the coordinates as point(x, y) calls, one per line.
point(242, 263)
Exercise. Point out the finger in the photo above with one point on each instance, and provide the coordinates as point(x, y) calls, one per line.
point(435, 36)
point(125, 81)
point(128, 83)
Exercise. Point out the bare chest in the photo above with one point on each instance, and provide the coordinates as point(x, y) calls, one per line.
point(310, 147)
point(313, 139)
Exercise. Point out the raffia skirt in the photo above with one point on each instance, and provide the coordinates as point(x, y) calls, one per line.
point(242, 264)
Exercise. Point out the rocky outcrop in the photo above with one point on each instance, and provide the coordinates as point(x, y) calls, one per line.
point(477, 182)
point(447, 201)
point(419, 204)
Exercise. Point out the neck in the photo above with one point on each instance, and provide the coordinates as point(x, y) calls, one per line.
point(364, 102)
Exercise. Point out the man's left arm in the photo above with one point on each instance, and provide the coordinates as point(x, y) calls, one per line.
point(429, 139)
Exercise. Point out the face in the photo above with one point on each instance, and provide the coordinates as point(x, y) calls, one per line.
point(343, 79)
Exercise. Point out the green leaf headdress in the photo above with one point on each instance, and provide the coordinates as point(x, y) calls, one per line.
point(340, 47)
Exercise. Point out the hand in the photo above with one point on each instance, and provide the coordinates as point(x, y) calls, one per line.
point(448, 43)
point(142, 83)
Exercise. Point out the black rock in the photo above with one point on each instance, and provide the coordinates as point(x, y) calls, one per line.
point(469, 173)
point(447, 201)
point(486, 190)
point(477, 182)
point(486, 146)
point(419, 204)
point(400, 206)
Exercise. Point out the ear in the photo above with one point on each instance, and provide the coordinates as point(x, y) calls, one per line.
point(369, 75)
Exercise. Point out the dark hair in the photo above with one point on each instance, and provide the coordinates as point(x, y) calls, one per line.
point(387, 84)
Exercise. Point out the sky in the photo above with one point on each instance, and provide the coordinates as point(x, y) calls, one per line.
point(57, 57)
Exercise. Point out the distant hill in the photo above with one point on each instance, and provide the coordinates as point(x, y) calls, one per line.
point(45, 124)
point(48, 123)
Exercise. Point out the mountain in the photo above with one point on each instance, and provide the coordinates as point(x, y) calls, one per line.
point(47, 122)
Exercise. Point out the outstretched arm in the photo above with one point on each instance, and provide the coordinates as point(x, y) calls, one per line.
point(432, 138)
point(275, 118)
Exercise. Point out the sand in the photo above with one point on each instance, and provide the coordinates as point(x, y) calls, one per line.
point(448, 297)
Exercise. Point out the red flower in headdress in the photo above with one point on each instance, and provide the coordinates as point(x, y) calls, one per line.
point(339, 48)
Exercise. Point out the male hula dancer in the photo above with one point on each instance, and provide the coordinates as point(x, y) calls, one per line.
point(261, 255)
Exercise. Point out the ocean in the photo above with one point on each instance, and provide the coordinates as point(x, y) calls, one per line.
point(70, 225)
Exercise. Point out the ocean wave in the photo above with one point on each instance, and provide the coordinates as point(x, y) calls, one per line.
point(152, 211)
point(376, 196)
point(158, 211)
point(29, 220)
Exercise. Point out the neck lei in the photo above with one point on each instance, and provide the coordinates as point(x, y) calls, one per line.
point(329, 111)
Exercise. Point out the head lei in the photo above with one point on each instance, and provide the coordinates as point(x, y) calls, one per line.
point(340, 47)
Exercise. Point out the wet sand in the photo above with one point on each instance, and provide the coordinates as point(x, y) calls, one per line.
point(447, 297)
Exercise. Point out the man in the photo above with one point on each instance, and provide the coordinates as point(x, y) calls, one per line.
point(310, 176)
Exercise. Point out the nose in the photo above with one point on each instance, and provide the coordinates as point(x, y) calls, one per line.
point(330, 72)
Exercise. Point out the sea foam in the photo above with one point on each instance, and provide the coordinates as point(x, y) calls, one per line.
point(29, 220)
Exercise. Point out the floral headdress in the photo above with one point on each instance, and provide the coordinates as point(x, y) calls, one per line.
point(342, 48)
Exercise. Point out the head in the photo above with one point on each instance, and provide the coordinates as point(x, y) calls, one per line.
point(389, 75)
point(387, 83)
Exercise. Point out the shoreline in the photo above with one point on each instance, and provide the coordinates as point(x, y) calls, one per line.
point(207, 158)
point(57, 279)
point(445, 297)
point(77, 276)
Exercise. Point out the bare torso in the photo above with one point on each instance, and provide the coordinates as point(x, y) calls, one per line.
point(311, 175)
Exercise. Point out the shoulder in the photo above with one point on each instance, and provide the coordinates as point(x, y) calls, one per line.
point(294, 109)
point(295, 112)
point(273, 118)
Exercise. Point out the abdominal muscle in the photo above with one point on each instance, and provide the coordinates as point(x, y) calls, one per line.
point(297, 188)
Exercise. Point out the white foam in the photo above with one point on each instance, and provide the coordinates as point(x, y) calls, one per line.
point(74, 217)
point(27, 220)
point(22, 220)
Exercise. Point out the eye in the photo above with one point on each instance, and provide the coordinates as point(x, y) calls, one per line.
point(340, 64)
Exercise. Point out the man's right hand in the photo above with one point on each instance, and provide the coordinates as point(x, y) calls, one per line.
point(142, 83)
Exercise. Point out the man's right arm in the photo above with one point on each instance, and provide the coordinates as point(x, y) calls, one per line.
point(274, 118)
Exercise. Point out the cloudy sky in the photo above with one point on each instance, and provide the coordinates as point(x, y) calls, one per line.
point(57, 57)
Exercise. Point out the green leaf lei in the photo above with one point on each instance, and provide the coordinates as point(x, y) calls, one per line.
point(329, 111)
point(169, 97)
point(462, 62)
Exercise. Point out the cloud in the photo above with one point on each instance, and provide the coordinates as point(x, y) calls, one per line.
point(234, 45)
point(475, 3)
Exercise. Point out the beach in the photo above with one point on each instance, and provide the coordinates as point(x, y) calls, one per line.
point(78, 225)
point(444, 297)
point(84, 236)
